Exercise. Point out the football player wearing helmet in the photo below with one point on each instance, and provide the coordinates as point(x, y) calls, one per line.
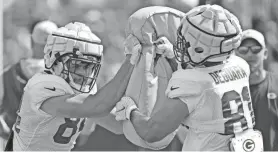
point(16, 77)
point(211, 97)
point(56, 102)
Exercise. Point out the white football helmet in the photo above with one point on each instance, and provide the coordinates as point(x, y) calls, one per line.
point(208, 33)
point(74, 53)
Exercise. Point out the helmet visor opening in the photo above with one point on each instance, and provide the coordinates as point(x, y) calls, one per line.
point(83, 71)
point(181, 48)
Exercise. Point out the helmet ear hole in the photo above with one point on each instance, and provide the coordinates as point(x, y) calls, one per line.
point(57, 56)
point(74, 51)
point(199, 50)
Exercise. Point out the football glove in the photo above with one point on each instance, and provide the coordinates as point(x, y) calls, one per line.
point(132, 46)
point(164, 47)
point(124, 108)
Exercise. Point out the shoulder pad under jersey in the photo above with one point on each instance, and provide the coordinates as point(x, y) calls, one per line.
point(240, 62)
point(185, 83)
point(47, 84)
point(42, 87)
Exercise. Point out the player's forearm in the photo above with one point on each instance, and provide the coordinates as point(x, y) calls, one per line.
point(173, 64)
point(97, 105)
point(111, 124)
point(162, 122)
point(105, 99)
point(146, 127)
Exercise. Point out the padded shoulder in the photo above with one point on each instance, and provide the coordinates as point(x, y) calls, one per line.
point(182, 84)
point(240, 62)
point(41, 81)
point(42, 87)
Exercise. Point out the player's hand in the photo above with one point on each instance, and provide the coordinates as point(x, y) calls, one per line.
point(124, 108)
point(133, 47)
point(164, 47)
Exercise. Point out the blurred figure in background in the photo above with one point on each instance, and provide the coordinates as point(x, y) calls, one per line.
point(40, 32)
point(263, 87)
point(17, 76)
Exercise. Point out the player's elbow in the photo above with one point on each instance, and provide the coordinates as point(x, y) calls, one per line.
point(154, 134)
point(151, 138)
point(95, 112)
point(78, 111)
point(72, 112)
point(116, 131)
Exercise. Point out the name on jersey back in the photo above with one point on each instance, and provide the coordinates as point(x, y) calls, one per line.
point(228, 74)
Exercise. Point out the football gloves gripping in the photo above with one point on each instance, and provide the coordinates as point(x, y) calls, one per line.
point(164, 47)
point(124, 108)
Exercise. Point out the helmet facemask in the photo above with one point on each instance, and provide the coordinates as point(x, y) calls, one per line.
point(74, 53)
point(80, 71)
point(181, 49)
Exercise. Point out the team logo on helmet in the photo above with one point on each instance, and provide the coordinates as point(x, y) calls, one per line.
point(207, 33)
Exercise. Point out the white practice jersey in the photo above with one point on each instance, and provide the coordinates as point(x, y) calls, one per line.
point(35, 130)
point(219, 102)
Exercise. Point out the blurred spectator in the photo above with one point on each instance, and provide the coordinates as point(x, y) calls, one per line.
point(263, 87)
point(17, 76)
point(40, 33)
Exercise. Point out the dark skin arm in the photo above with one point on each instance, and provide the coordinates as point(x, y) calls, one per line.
point(97, 105)
point(163, 122)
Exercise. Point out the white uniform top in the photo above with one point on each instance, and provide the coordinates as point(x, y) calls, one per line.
point(36, 130)
point(218, 99)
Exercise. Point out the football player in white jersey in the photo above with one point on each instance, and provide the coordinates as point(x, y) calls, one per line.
point(211, 97)
point(56, 102)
